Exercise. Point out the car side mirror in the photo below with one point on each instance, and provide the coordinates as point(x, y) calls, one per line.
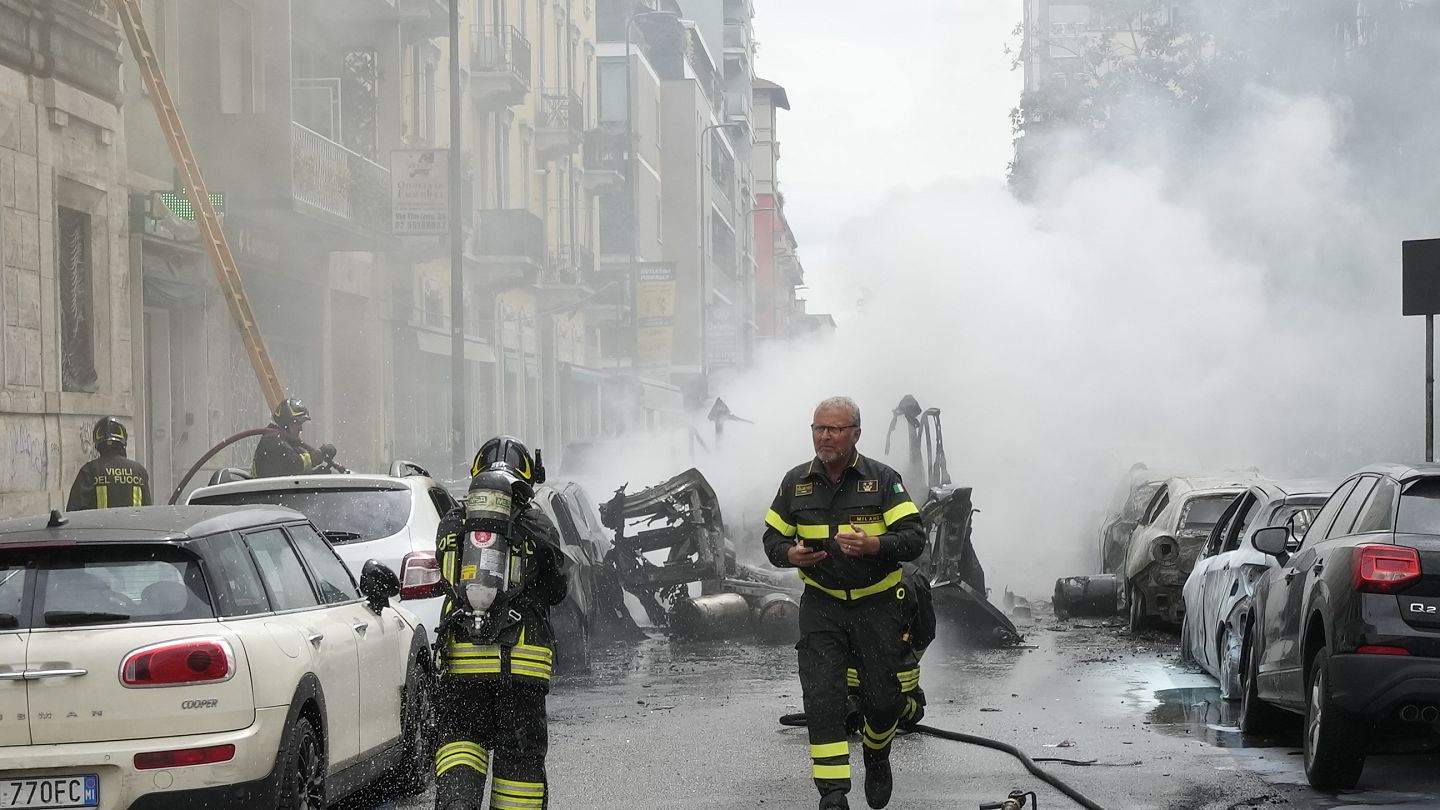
point(1273, 541)
point(378, 584)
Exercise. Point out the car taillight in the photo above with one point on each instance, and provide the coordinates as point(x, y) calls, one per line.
point(176, 663)
point(1385, 569)
point(151, 760)
point(419, 576)
point(1376, 649)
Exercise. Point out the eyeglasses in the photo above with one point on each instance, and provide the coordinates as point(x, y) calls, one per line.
point(830, 430)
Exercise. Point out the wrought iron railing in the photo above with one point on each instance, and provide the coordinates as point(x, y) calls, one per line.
point(334, 179)
point(500, 49)
point(562, 109)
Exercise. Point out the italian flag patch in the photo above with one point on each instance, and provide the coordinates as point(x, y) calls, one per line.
point(899, 488)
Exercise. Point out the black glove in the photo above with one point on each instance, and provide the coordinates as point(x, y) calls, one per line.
point(328, 451)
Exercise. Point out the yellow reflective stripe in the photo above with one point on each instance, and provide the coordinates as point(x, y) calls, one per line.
point(852, 678)
point(830, 771)
point(774, 521)
point(515, 788)
point(457, 746)
point(531, 650)
point(891, 580)
point(878, 741)
point(805, 578)
point(530, 671)
point(135, 497)
point(501, 802)
point(871, 528)
point(811, 531)
point(833, 749)
point(900, 510)
point(102, 497)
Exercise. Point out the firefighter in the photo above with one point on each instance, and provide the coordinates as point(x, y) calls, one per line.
point(283, 453)
point(495, 664)
point(847, 523)
point(112, 480)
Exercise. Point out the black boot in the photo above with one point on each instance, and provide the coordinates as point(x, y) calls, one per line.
point(878, 779)
point(834, 800)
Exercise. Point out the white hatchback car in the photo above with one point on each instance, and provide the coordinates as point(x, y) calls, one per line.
point(174, 657)
point(390, 518)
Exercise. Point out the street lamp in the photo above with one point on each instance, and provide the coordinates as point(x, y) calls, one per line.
point(704, 238)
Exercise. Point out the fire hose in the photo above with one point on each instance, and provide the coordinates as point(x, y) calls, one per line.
point(244, 434)
point(798, 720)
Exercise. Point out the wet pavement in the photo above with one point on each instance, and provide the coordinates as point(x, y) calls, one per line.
point(694, 725)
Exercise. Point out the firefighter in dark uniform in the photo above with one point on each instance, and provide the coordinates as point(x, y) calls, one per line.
point(283, 453)
point(112, 480)
point(491, 697)
point(846, 522)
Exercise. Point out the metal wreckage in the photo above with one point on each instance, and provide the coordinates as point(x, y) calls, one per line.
point(672, 535)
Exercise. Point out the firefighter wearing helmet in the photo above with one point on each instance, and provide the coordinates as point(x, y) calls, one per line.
point(503, 569)
point(112, 480)
point(282, 452)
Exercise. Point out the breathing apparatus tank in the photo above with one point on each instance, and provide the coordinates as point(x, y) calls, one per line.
point(487, 572)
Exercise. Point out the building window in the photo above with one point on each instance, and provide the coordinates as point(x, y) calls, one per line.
point(237, 59)
point(77, 301)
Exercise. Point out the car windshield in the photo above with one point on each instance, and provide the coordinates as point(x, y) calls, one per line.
point(1139, 499)
point(1420, 508)
point(87, 585)
point(1203, 512)
point(349, 515)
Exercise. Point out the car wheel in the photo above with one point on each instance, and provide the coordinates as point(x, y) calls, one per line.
point(1256, 716)
point(1186, 657)
point(1335, 742)
point(302, 775)
point(572, 641)
point(1139, 622)
point(416, 770)
point(1228, 654)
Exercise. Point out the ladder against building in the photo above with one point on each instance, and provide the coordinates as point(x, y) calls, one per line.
point(211, 233)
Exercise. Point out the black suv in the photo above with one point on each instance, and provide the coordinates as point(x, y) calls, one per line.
point(1346, 629)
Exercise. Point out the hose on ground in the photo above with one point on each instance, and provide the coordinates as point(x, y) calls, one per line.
point(985, 742)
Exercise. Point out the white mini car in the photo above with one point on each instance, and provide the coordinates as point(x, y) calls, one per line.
point(390, 518)
point(187, 657)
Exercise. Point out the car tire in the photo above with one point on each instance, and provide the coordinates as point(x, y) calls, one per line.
point(1256, 716)
point(416, 771)
point(1335, 742)
point(302, 768)
point(1229, 653)
point(1186, 657)
point(1138, 622)
point(572, 641)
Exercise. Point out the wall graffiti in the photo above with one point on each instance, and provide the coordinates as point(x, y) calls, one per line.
point(26, 445)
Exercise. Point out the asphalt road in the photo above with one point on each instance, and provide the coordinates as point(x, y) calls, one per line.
point(693, 725)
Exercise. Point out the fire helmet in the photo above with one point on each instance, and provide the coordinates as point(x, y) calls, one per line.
point(109, 431)
point(511, 453)
point(290, 412)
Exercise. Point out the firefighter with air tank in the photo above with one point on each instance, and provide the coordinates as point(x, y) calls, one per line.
point(501, 562)
point(847, 523)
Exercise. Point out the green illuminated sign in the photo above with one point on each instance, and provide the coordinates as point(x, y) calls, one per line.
point(179, 204)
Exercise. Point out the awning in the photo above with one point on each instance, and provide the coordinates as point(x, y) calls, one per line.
point(585, 374)
point(659, 396)
point(435, 343)
point(173, 276)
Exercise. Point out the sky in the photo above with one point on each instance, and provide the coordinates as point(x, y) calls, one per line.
point(882, 102)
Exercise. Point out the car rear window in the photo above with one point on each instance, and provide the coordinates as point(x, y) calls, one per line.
point(350, 515)
point(1419, 508)
point(1202, 513)
point(92, 585)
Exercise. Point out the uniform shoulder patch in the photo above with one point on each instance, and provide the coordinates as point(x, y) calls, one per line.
point(804, 489)
point(898, 488)
point(873, 485)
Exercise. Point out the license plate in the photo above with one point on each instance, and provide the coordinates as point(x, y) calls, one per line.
point(51, 793)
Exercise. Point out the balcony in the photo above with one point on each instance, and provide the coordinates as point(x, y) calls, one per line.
point(560, 124)
point(570, 264)
point(738, 44)
point(425, 19)
point(499, 65)
point(739, 106)
point(604, 152)
point(337, 183)
point(510, 237)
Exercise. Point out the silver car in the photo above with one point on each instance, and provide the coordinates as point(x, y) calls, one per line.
point(390, 518)
point(1218, 591)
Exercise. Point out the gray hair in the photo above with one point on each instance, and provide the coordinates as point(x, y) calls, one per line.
point(845, 403)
